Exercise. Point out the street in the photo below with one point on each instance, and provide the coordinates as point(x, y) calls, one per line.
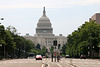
point(47, 63)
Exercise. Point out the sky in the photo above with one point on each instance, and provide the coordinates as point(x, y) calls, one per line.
point(65, 15)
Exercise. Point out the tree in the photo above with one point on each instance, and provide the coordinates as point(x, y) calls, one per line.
point(12, 29)
point(63, 50)
point(43, 51)
point(13, 45)
point(52, 49)
point(87, 35)
point(38, 46)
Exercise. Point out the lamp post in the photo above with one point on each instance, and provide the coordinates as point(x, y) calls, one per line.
point(0, 52)
point(88, 52)
point(1, 19)
point(93, 52)
point(99, 51)
point(4, 38)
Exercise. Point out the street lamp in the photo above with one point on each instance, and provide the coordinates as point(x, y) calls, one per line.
point(99, 51)
point(1, 19)
point(88, 52)
point(0, 52)
point(4, 38)
point(93, 52)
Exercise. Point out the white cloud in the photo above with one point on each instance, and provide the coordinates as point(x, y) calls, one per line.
point(47, 3)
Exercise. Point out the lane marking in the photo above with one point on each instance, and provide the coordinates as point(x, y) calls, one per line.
point(48, 65)
point(42, 65)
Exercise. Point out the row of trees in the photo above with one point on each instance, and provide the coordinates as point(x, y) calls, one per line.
point(85, 40)
point(12, 45)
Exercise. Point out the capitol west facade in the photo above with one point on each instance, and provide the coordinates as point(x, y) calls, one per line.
point(44, 33)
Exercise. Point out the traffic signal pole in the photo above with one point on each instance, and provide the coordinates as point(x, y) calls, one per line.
point(58, 56)
point(55, 53)
point(55, 44)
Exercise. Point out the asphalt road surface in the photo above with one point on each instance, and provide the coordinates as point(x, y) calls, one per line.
point(47, 63)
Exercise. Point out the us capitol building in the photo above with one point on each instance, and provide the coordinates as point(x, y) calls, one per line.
point(44, 33)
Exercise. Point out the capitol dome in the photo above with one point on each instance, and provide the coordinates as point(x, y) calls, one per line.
point(44, 26)
point(44, 18)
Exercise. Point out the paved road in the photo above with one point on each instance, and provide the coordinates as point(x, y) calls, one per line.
point(21, 63)
point(30, 63)
point(41, 63)
point(84, 62)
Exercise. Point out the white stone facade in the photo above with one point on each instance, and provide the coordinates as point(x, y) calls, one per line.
point(44, 33)
point(47, 40)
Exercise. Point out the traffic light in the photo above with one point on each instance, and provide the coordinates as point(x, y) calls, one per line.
point(58, 46)
point(55, 42)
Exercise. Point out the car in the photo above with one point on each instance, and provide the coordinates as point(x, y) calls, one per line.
point(31, 56)
point(83, 57)
point(67, 56)
point(38, 57)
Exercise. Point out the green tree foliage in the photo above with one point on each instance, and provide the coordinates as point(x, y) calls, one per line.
point(51, 49)
point(43, 51)
point(63, 50)
point(35, 51)
point(14, 45)
point(2, 34)
point(38, 46)
point(88, 35)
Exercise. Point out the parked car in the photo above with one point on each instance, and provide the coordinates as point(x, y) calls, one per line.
point(38, 57)
point(31, 56)
point(83, 56)
point(67, 56)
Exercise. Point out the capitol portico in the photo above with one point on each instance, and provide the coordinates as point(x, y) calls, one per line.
point(44, 33)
